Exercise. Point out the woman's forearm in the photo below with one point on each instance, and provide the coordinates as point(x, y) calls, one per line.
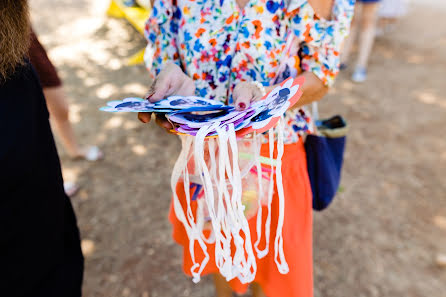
point(313, 89)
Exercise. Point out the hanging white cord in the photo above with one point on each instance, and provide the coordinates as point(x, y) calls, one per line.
point(190, 227)
point(239, 265)
point(223, 204)
point(212, 158)
point(209, 197)
point(245, 253)
point(186, 186)
point(201, 205)
point(264, 252)
point(257, 150)
point(225, 207)
point(279, 256)
point(201, 202)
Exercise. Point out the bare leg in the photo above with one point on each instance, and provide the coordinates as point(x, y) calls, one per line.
point(367, 33)
point(59, 116)
point(257, 290)
point(222, 287)
point(349, 41)
point(58, 108)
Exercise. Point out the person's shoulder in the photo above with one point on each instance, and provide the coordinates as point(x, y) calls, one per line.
point(21, 90)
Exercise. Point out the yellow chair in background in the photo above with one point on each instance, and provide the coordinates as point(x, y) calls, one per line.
point(136, 16)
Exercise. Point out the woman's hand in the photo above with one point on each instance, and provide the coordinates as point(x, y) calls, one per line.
point(244, 93)
point(247, 92)
point(170, 81)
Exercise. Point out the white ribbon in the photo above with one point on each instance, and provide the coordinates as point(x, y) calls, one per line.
point(222, 185)
point(279, 256)
point(189, 225)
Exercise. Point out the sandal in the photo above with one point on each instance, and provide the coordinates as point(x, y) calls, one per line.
point(93, 153)
point(70, 188)
point(90, 153)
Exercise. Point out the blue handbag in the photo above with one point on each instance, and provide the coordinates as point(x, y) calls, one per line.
point(325, 154)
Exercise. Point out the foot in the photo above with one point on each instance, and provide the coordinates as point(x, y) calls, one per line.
point(343, 66)
point(70, 188)
point(91, 153)
point(359, 75)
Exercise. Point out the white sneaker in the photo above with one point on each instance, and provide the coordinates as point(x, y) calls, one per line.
point(70, 188)
point(359, 75)
point(93, 153)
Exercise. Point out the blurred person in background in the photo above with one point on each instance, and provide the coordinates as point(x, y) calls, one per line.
point(57, 103)
point(40, 248)
point(364, 25)
point(389, 13)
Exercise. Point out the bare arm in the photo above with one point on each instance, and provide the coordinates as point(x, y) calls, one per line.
point(313, 89)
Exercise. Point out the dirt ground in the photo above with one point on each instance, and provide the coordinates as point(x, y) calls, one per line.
point(379, 238)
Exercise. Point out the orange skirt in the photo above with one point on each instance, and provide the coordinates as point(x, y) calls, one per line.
point(297, 233)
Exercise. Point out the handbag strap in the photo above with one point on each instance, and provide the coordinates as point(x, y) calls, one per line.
point(314, 116)
point(315, 112)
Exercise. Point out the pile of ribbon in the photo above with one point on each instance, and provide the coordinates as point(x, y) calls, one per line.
point(210, 157)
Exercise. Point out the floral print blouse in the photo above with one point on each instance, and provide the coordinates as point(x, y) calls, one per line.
point(218, 44)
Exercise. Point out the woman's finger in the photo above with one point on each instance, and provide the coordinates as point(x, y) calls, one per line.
point(151, 89)
point(187, 88)
point(242, 96)
point(160, 88)
point(257, 93)
point(163, 122)
point(144, 117)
